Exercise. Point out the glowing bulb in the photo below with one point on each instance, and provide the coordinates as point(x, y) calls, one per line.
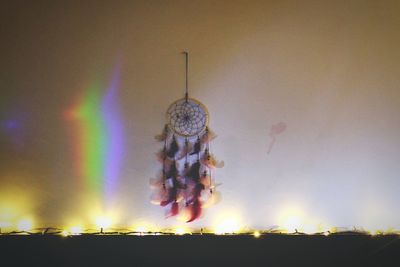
point(256, 234)
point(141, 229)
point(180, 231)
point(24, 225)
point(75, 230)
point(292, 223)
point(291, 218)
point(64, 233)
point(227, 226)
point(333, 230)
point(103, 222)
point(311, 229)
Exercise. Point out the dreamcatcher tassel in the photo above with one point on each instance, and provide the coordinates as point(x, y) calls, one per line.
point(172, 187)
point(161, 155)
point(205, 180)
point(210, 161)
point(194, 211)
point(174, 210)
point(167, 162)
point(195, 203)
point(185, 151)
point(163, 136)
point(172, 172)
point(207, 136)
point(196, 147)
point(211, 198)
point(194, 172)
point(173, 148)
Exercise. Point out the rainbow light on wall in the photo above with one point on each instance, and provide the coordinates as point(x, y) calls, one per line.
point(98, 138)
point(115, 135)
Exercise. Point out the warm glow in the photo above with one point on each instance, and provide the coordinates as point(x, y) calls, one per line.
point(75, 230)
point(103, 222)
point(181, 231)
point(312, 228)
point(227, 225)
point(291, 219)
point(256, 234)
point(64, 233)
point(24, 225)
point(141, 229)
point(16, 206)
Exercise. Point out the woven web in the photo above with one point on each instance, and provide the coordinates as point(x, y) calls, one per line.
point(187, 118)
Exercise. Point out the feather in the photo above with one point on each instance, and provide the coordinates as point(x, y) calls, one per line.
point(173, 148)
point(194, 171)
point(172, 171)
point(156, 183)
point(210, 162)
point(195, 211)
point(196, 147)
point(174, 210)
point(195, 203)
point(163, 136)
point(205, 179)
point(161, 155)
point(211, 197)
point(207, 136)
point(171, 197)
point(168, 164)
point(185, 151)
point(158, 196)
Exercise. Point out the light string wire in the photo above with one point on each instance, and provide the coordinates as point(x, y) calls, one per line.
point(203, 231)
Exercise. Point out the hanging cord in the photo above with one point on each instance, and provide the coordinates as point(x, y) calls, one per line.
point(209, 169)
point(165, 157)
point(187, 151)
point(186, 75)
point(198, 154)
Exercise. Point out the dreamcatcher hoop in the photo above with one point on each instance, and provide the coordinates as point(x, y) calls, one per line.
point(187, 117)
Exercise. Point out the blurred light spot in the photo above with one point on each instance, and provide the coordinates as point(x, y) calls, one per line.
point(24, 225)
point(141, 229)
point(103, 222)
point(228, 225)
point(291, 219)
point(257, 234)
point(181, 231)
point(65, 233)
point(75, 230)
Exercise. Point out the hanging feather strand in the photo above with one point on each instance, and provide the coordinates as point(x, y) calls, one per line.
point(163, 136)
point(173, 148)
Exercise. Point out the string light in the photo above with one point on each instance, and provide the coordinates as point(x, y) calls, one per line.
point(24, 225)
point(181, 231)
point(65, 233)
point(293, 223)
point(227, 226)
point(256, 234)
point(103, 223)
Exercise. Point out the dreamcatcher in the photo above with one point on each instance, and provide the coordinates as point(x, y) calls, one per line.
point(185, 184)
